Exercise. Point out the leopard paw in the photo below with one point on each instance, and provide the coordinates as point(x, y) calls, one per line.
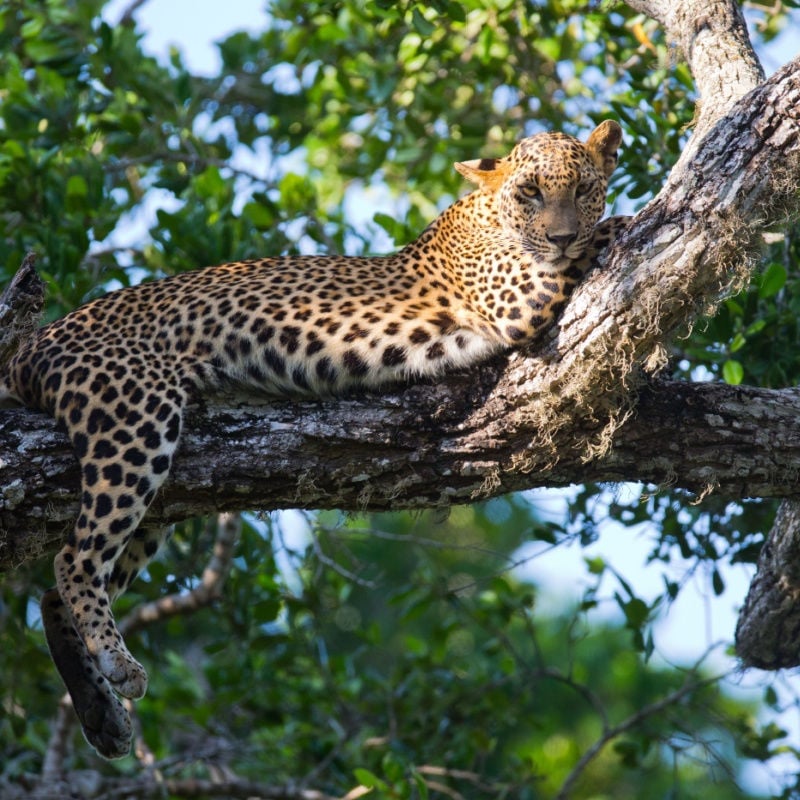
point(125, 674)
point(105, 723)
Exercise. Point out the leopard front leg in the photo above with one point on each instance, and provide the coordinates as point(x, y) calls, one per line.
point(122, 467)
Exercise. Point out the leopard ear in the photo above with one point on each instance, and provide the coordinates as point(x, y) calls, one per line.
point(603, 143)
point(488, 173)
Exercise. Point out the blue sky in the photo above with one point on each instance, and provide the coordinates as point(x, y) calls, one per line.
point(192, 25)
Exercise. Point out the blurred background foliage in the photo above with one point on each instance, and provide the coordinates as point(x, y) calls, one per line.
point(402, 652)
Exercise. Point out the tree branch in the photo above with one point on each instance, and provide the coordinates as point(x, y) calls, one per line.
point(691, 685)
point(413, 449)
point(712, 37)
point(209, 589)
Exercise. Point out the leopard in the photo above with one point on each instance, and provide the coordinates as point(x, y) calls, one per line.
point(490, 274)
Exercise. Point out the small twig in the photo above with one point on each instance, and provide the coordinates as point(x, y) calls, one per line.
point(144, 755)
point(631, 722)
point(193, 159)
point(443, 788)
point(127, 14)
point(343, 571)
point(146, 788)
point(206, 592)
point(356, 792)
point(461, 775)
point(63, 725)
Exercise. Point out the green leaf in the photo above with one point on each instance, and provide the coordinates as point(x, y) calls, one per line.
point(369, 779)
point(42, 50)
point(732, 372)
point(210, 184)
point(456, 12)
point(77, 186)
point(737, 343)
point(596, 565)
point(421, 785)
point(717, 583)
point(628, 752)
point(550, 48)
point(261, 216)
point(266, 610)
point(772, 280)
point(423, 26)
point(635, 610)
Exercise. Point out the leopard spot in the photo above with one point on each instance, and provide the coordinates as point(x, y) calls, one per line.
point(393, 356)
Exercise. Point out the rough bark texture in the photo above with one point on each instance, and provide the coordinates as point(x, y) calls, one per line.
point(768, 633)
point(426, 446)
point(571, 412)
point(21, 306)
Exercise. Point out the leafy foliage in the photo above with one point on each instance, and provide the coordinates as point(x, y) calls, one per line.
point(400, 653)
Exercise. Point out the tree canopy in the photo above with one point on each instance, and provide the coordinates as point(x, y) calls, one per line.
point(401, 653)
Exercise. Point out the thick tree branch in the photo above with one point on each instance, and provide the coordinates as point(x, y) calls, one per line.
point(769, 622)
point(426, 446)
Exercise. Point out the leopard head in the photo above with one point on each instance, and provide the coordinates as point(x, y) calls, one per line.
point(550, 191)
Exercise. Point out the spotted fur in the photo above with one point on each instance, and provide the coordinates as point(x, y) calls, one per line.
point(490, 273)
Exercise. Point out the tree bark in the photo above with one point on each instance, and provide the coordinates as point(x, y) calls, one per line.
point(429, 445)
point(768, 631)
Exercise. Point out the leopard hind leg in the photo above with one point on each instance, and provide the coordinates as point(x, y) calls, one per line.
point(104, 720)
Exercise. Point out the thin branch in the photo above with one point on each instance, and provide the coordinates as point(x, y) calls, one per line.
point(327, 561)
point(461, 775)
point(57, 745)
point(192, 159)
point(206, 592)
point(631, 722)
point(443, 788)
point(147, 788)
point(127, 14)
point(141, 750)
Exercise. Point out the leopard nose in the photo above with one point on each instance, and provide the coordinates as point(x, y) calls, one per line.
point(562, 240)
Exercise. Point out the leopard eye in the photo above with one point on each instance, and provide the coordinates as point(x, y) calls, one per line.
point(583, 189)
point(530, 190)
